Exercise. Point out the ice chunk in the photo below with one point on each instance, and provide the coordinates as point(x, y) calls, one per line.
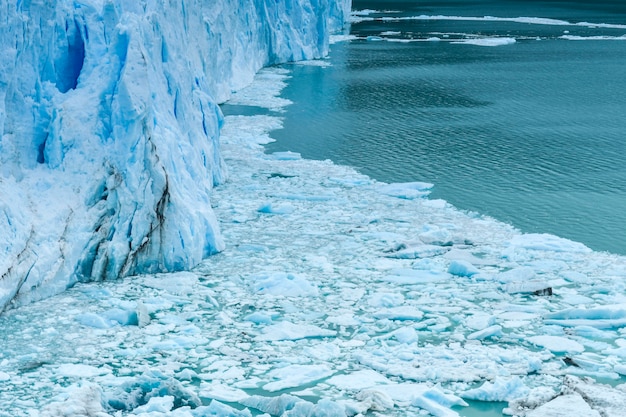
point(358, 380)
point(415, 276)
point(276, 209)
point(432, 399)
point(480, 321)
point(259, 318)
point(94, 320)
point(536, 287)
point(84, 400)
point(439, 236)
point(462, 269)
point(121, 316)
point(400, 313)
point(139, 390)
point(502, 389)
point(407, 190)
point(415, 252)
point(156, 404)
point(608, 401)
point(328, 408)
point(296, 375)
point(305, 197)
point(218, 409)
point(491, 331)
point(286, 156)
point(487, 41)
point(275, 406)
point(433, 407)
point(386, 299)
point(405, 335)
point(324, 407)
point(341, 38)
point(281, 283)
point(568, 405)
point(81, 371)
point(444, 399)
point(604, 317)
point(520, 274)
point(347, 319)
point(574, 276)
point(180, 283)
point(375, 400)
point(557, 344)
point(286, 330)
point(620, 369)
point(221, 392)
point(547, 242)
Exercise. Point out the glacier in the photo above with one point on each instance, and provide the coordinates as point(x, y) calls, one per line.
point(305, 314)
point(109, 128)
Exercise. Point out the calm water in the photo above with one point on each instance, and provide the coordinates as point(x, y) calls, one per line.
point(532, 133)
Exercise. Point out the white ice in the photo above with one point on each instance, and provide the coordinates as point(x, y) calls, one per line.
point(593, 38)
point(487, 41)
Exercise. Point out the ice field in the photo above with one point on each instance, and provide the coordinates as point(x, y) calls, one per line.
point(336, 295)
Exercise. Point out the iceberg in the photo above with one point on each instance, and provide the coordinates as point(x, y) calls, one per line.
point(109, 128)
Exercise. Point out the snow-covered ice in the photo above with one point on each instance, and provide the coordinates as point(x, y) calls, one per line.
point(309, 312)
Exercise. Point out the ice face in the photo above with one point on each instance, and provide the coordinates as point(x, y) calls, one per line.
point(109, 128)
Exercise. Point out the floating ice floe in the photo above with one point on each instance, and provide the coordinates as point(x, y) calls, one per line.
point(486, 41)
point(407, 190)
point(557, 344)
point(502, 389)
point(283, 284)
point(289, 331)
point(296, 376)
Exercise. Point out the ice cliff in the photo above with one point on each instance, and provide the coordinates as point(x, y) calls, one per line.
point(109, 128)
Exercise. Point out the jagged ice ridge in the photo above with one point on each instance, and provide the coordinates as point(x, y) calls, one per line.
point(109, 128)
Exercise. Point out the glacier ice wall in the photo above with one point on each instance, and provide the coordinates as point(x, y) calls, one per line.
point(109, 128)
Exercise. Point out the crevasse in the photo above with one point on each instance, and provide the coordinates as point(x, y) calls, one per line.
point(109, 128)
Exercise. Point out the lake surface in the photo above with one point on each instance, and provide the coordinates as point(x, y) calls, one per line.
point(530, 130)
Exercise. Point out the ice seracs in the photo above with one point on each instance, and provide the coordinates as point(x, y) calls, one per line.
point(109, 128)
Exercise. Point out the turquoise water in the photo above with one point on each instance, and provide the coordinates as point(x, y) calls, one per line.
point(532, 133)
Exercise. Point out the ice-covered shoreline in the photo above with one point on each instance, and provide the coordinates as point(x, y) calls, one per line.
point(336, 294)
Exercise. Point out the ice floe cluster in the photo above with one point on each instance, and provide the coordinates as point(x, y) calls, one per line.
point(614, 30)
point(336, 296)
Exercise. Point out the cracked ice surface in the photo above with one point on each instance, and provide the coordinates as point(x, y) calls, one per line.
point(333, 297)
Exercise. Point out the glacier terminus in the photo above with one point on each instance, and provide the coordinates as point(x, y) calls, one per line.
point(109, 128)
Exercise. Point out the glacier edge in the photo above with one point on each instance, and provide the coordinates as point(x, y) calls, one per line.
point(109, 128)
